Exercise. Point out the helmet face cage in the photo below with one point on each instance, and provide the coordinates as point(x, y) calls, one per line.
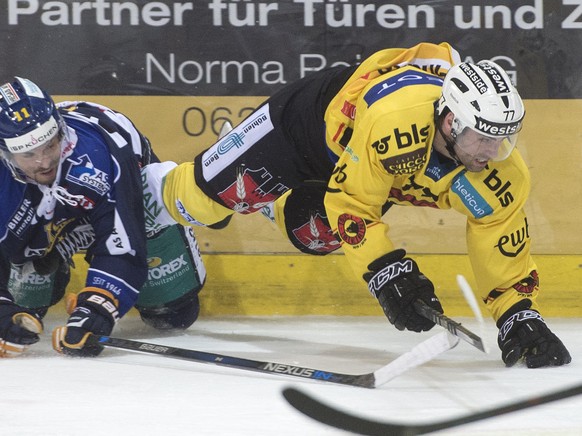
point(483, 99)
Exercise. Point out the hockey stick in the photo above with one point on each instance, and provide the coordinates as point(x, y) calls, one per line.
point(472, 301)
point(452, 326)
point(418, 355)
point(345, 421)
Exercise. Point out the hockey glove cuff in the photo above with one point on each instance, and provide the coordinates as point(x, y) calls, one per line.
point(94, 311)
point(19, 328)
point(397, 283)
point(524, 334)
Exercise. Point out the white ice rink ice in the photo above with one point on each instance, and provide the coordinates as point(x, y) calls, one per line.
point(125, 393)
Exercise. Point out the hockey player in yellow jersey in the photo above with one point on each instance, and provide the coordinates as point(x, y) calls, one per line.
point(413, 127)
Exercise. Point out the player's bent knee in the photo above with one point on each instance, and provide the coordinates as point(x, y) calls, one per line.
point(179, 314)
point(305, 220)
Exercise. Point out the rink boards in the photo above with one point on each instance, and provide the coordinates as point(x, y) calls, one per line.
point(270, 284)
point(253, 269)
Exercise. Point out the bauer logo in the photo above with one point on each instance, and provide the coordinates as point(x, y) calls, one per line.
point(154, 348)
point(236, 143)
point(472, 200)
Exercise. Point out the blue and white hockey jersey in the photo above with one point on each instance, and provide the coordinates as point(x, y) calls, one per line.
point(95, 204)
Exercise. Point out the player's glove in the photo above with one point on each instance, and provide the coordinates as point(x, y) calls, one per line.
point(524, 334)
point(48, 264)
point(93, 311)
point(397, 283)
point(19, 328)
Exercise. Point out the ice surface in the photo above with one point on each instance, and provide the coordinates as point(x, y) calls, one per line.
point(125, 393)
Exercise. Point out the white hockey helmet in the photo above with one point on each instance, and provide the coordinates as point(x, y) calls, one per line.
point(482, 98)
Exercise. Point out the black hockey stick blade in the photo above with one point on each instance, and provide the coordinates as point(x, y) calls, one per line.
point(454, 327)
point(421, 353)
point(336, 418)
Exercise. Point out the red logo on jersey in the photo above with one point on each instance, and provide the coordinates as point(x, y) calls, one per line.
point(86, 203)
point(246, 195)
point(349, 110)
point(316, 235)
point(529, 284)
point(352, 229)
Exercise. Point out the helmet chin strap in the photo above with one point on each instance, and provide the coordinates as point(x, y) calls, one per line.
point(449, 145)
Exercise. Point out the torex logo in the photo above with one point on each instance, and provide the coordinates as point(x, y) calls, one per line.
point(157, 270)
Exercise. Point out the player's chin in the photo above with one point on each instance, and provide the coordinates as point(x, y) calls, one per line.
point(476, 165)
point(45, 177)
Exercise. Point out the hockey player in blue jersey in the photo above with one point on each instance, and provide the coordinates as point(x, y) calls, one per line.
point(72, 182)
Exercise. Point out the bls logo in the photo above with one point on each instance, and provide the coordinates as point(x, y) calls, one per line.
point(381, 145)
point(500, 189)
point(412, 137)
point(402, 138)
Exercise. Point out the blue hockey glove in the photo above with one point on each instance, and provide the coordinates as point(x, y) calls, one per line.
point(19, 328)
point(524, 334)
point(397, 283)
point(94, 311)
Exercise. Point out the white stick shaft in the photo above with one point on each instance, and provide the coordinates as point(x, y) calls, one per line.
point(470, 297)
point(421, 353)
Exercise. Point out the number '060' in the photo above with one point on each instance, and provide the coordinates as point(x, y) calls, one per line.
point(197, 121)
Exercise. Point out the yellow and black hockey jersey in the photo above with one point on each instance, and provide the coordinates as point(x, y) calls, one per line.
point(379, 131)
point(381, 127)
